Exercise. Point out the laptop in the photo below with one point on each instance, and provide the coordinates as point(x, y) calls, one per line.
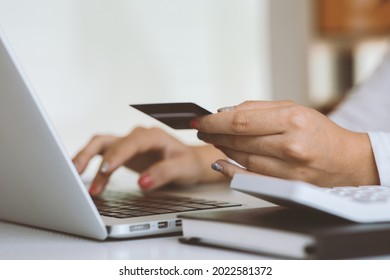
point(39, 186)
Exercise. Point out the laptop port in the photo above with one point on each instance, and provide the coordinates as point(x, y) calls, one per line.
point(178, 223)
point(162, 225)
point(140, 227)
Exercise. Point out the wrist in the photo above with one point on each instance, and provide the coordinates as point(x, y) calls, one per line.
point(362, 166)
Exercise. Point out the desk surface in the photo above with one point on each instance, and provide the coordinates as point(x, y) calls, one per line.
point(21, 242)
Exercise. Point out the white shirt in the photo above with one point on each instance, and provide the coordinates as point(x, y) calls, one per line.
point(367, 109)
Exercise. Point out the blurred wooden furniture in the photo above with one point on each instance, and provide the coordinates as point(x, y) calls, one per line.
point(356, 18)
point(344, 24)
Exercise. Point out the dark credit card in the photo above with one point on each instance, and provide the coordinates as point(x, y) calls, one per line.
point(175, 115)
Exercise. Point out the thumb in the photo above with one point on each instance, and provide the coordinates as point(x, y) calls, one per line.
point(164, 172)
point(228, 168)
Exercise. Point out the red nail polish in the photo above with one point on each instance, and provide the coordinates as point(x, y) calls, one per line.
point(92, 189)
point(145, 182)
point(194, 123)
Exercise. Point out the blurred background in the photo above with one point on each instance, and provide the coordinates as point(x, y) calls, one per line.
point(89, 59)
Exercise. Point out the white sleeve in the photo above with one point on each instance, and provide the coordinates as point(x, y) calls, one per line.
point(380, 143)
point(367, 107)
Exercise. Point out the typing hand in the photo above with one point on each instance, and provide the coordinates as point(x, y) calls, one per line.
point(158, 156)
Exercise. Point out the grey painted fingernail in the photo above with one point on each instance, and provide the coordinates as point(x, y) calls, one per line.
point(105, 167)
point(226, 109)
point(217, 167)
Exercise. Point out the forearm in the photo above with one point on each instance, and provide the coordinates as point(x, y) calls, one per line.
point(358, 161)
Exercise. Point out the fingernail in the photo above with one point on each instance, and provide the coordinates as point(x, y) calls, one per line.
point(194, 123)
point(226, 109)
point(105, 167)
point(200, 135)
point(145, 182)
point(93, 190)
point(217, 167)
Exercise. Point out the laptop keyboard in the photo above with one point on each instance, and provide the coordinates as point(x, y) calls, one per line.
point(135, 204)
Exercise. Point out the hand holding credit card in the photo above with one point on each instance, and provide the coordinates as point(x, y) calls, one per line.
point(175, 115)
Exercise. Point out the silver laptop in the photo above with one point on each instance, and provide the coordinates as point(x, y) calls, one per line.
point(39, 185)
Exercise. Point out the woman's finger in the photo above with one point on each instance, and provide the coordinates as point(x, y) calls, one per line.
point(265, 121)
point(260, 164)
point(174, 170)
point(269, 145)
point(139, 141)
point(97, 145)
point(228, 169)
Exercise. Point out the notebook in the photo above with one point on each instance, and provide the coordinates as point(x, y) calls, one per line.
point(287, 233)
point(39, 185)
point(364, 204)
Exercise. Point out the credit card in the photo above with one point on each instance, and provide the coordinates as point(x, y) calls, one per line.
point(175, 115)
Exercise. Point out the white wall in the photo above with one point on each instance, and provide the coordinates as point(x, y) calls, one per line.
point(290, 31)
point(89, 59)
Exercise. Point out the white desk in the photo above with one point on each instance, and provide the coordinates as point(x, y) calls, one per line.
point(21, 242)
